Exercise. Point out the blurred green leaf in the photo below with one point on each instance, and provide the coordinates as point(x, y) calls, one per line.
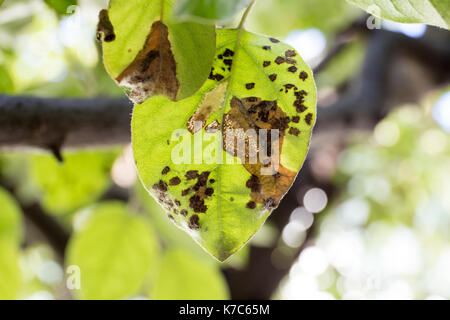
point(280, 17)
point(81, 179)
point(61, 6)
point(10, 217)
point(434, 12)
point(114, 250)
point(6, 83)
point(10, 275)
point(184, 277)
point(210, 11)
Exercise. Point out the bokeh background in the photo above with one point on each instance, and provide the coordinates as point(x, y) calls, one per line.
point(367, 218)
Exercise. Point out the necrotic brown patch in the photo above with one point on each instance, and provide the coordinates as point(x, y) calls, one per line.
point(273, 77)
point(153, 71)
point(105, 27)
point(194, 222)
point(308, 118)
point(174, 181)
point(290, 53)
point(266, 64)
point(255, 113)
point(250, 86)
point(274, 40)
point(165, 170)
point(303, 75)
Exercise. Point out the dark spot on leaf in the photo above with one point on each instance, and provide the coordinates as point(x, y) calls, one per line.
point(251, 205)
point(253, 184)
point(292, 69)
point(290, 53)
point(273, 77)
point(191, 174)
point(184, 212)
point(185, 192)
point(250, 86)
point(220, 56)
point(165, 170)
point(228, 53)
point(267, 47)
point(160, 186)
point(303, 75)
point(212, 181)
point(308, 118)
point(194, 222)
point(274, 40)
point(177, 203)
point(198, 204)
point(175, 181)
point(291, 61)
point(228, 62)
point(280, 60)
point(209, 191)
point(266, 64)
point(294, 131)
point(296, 119)
point(171, 217)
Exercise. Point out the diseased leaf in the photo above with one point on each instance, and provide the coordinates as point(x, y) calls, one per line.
point(184, 277)
point(256, 83)
point(209, 11)
point(114, 251)
point(433, 12)
point(10, 217)
point(148, 55)
point(10, 275)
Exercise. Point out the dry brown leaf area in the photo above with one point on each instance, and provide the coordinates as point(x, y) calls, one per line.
point(153, 71)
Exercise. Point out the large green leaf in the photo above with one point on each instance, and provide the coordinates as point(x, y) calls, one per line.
point(209, 10)
point(149, 55)
point(81, 179)
point(222, 205)
point(10, 217)
point(10, 275)
point(434, 12)
point(114, 251)
point(184, 277)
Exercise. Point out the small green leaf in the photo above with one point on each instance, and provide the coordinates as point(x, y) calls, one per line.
point(10, 217)
point(150, 54)
point(10, 275)
point(184, 277)
point(62, 7)
point(209, 11)
point(114, 251)
point(81, 179)
point(221, 205)
point(433, 12)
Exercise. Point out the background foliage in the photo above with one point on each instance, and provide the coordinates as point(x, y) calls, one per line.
point(382, 234)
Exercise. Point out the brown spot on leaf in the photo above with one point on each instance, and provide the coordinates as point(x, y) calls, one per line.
point(266, 64)
point(296, 119)
point(175, 181)
point(153, 71)
point(273, 77)
point(251, 205)
point(160, 186)
point(308, 118)
point(294, 131)
point(274, 40)
point(250, 86)
point(191, 174)
point(184, 212)
point(280, 60)
point(194, 222)
point(290, 53)
point(303, 75)
point(197, 204)
point(105, 27)
point(292, 69)
point(165, 170)
point(228, 53)
point(185, 192)
point(267, 47)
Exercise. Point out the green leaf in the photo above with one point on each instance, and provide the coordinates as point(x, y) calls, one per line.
point(184, 277)
point(10, 217)
point(80, 180)
point(433, 12)
point(148, 56)
point(61, 6)
point(209, 11)
point(222, 205)
point(10, 275)
point(114, 251)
